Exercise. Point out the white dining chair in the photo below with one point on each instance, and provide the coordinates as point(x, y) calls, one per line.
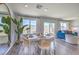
point(44, 45)
point(24, 49)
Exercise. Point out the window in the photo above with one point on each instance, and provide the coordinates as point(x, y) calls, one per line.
point(52, 27)
point(0, 20)
point(46, 28)
point(1, 28)
point(31, 24)
point(49, 28)
point(64, 25)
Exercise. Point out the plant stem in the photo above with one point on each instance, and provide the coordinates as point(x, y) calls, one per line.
point(9, 41)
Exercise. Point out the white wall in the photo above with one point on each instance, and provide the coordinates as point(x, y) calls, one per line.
point(75, 23)
point(39, 26)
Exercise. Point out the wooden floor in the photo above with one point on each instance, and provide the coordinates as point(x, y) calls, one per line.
point(3, 49)
point(31, 50)
point(61, 48)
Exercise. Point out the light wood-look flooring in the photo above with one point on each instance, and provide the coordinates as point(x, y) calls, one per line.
point(31, 50)
point(3, 48)
point(61, 48)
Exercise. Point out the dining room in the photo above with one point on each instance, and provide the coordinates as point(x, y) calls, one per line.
point(39, 29)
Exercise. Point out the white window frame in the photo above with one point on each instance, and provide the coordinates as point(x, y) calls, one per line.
point(64, 27)
point(30, 21)
point(50, 27)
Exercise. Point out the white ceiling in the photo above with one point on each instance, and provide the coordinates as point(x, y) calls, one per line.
point(58, 10)
point(3, 8)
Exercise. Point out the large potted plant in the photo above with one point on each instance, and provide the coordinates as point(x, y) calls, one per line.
point(6, 24)
point(20, 28)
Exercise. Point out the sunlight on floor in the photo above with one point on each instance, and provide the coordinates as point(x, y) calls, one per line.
point(3, 49)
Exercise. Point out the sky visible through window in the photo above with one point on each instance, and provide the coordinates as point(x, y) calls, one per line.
point(31, 23)
point(26, 22)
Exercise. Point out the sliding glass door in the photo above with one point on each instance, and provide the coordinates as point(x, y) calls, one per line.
point(49, 28)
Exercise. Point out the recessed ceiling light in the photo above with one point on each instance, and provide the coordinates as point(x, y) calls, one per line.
point(45, 10)
point(26, 5)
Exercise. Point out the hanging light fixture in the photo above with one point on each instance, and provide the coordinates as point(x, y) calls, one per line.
point(38, 6)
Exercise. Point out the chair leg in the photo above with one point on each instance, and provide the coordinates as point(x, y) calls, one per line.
point(50, 51)
point(41, 52)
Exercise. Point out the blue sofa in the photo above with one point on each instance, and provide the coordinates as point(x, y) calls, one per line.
point(61, 35)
